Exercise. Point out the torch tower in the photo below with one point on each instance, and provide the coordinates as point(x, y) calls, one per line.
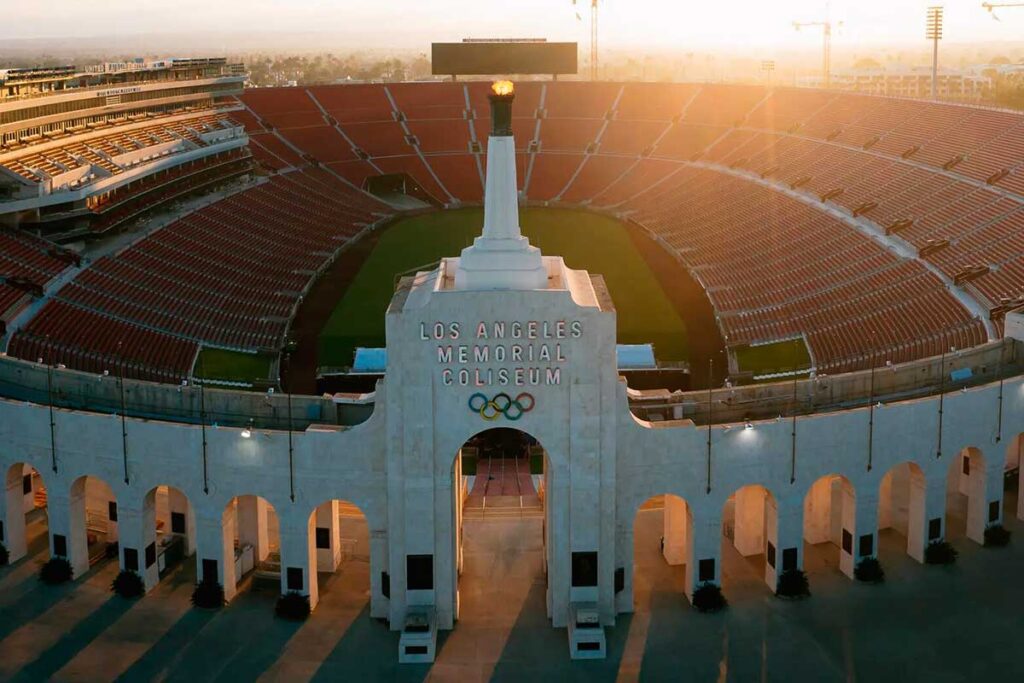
point(501, 257)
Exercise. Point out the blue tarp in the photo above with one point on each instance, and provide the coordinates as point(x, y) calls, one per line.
point(635, 356)
point(370, 360)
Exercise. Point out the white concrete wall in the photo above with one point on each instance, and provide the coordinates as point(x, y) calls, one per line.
point(603, 463)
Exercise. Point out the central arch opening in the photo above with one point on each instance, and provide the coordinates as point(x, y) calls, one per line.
point(500, 521)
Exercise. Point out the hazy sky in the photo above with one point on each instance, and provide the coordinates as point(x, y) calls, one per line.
point(409, 23)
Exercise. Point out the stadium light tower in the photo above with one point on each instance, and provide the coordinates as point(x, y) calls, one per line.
point(826, 29)
point(593, 35)
point(992, 6)
point(934, 34)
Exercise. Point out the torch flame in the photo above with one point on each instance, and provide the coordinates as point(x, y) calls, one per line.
point(503, 88)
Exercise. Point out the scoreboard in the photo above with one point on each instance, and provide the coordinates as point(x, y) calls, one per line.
point(491, 57)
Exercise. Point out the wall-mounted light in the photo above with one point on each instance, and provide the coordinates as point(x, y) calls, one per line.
point(246, 433)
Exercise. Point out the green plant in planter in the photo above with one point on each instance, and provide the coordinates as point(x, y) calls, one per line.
point(940, 552)
point(128, 584)
point(56, 570)
point(111, 551)
point(869, 570)
point(708, 597)
point(5, 556)
point(208, 595)
point(996, 536)
point(293, 605)
point(793, 584)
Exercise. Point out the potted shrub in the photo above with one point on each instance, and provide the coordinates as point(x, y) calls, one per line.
point(708, 597)
point(869, 570)
point(128, 584)
point(208, 595)
point(56, 570)
point(5, 557)
point(111, 551)
point(996, 536)
point(940, 552)
point(293, 606)
point(793, 584)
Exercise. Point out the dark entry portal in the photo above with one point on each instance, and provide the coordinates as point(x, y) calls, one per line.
point(502, 462)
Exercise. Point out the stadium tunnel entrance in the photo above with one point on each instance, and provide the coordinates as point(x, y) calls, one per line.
point(93, 530)
point(251, 540)
point(400, 190)
point(24, 513)
point(339, 548)
point(158, 536)
point(500, 550)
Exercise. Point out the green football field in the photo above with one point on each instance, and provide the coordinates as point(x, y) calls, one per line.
point(596, 243)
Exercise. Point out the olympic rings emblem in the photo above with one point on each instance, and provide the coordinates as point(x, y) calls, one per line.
point(502, 404)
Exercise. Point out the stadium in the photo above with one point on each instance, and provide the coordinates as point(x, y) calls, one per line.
point(236, 336)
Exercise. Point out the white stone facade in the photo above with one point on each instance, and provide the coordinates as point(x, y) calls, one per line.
point(602, 463)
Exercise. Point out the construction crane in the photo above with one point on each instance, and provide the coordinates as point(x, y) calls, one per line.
point(992, 6)
point(826, 27)
point(593, 35)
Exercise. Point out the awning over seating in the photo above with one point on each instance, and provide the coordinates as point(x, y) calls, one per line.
point(635, 356)
point(370, 360)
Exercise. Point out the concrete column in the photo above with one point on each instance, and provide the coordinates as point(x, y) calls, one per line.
point(66, 518)
point(252, 525)
point(846, 517)
point(784, 543)
point(12, 515)
point(864, 527)
point(215, 540)
point(137, 529)
point(446, 576)
point(994, 491)
point(748, 537)
point(624, 562)
point(112, 526)
point(379, 605)
point(558, 547)
point(926, 518)
point(1020, 493)
point(675, 538)
point(177, 503)
point(328, 559)
point(704, 561)
point(298, 555)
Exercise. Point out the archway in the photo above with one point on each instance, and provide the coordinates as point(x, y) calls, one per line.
point(750, 526)
point(499, 549)
point(662, 551)
point(23, 517)
point(94, 524)
point(158, 537)
point(901, 508)
point(966, 510)
point(252, 545)
point(341, 544)
point(829, 524)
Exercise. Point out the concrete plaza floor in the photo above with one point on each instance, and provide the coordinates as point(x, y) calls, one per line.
point(959, 623)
